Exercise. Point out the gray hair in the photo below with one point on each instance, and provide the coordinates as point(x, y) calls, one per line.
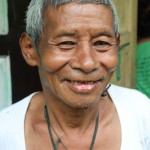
point(35, 13)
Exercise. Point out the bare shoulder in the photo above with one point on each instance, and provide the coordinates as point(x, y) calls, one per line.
point(35, 109)
point(35, 126)
point(109, 126)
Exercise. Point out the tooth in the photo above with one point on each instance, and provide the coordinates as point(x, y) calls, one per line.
point(86, 82)
point(75, 83)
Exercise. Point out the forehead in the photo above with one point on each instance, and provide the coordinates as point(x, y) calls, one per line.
point(74, 15)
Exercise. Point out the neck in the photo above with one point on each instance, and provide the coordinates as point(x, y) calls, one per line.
point(55, 145)
point(66, 118)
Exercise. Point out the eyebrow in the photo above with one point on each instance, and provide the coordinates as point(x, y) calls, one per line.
point(104, 33)
point(65, 34)
point(74, 33)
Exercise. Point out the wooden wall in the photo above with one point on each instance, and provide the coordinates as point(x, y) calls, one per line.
point(125, 73)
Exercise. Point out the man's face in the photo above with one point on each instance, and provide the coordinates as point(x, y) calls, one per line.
point(78, 53)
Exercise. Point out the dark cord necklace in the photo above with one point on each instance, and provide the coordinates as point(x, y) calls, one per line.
point(55, 145)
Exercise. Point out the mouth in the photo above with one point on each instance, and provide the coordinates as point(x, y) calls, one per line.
point(83, 86)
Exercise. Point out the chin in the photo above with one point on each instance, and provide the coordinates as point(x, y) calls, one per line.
point(85, 104)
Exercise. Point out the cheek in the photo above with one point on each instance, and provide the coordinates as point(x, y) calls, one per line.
point(51, 57)
point(52, 62)
point(110, 62)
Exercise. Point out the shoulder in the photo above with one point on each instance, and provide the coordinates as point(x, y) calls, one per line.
point(130, 99)
point(12, 122)
point(133, 107)
point(15, 110)
point(127, 93)
point(131, 102)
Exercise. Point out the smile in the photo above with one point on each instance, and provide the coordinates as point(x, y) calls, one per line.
point(79, 83)
point(83, 86)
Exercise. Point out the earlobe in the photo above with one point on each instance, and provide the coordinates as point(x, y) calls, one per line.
point(28, 50)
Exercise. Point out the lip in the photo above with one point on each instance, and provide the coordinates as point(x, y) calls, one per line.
point(83, 87)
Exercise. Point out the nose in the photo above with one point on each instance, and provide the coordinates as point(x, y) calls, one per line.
point(84, 58)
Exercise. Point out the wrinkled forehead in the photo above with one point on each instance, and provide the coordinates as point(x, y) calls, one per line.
point(76, 11)
point(75, 4)
point(79, 19)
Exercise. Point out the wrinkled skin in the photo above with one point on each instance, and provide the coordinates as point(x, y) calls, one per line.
point(78, 51)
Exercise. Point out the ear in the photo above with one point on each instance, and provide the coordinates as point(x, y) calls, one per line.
point(28, 50)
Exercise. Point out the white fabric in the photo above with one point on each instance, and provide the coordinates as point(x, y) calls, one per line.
point(133, 109)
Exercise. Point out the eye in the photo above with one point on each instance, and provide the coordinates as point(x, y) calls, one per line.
point(101, 45)
point(67, 45)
